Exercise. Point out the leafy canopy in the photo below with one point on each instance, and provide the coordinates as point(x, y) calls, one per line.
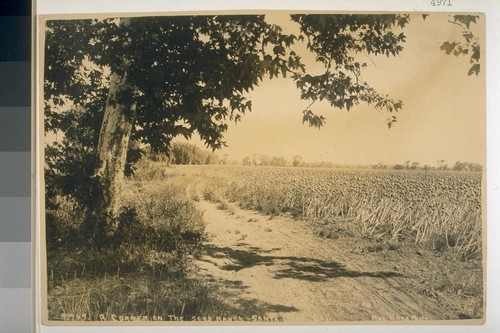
point(335, 40)
point(192, 73)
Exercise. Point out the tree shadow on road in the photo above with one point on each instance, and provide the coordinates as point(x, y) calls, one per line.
point(292, 267)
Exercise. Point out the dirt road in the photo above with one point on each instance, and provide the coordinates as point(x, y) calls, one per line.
point(278, 267)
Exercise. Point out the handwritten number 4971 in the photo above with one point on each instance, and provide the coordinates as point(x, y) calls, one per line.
point(437, 3)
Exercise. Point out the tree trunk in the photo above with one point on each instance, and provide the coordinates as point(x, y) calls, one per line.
point(112, 149)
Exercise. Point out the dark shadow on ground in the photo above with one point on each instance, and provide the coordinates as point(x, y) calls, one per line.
point(293, 267)
point(238, 302)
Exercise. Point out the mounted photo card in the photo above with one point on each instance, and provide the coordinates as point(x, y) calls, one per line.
point(262, 167)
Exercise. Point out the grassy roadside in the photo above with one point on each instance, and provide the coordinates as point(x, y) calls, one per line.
point(146, 271)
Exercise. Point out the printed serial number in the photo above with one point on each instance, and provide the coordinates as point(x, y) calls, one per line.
point(438, 3)
point(74, 317)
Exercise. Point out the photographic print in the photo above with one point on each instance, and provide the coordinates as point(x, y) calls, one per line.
point(271, 167)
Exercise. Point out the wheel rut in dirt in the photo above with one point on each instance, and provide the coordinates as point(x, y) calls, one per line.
point(276, 266)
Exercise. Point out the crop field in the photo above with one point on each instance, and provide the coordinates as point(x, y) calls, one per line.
point(438, 210)
point(424, 230)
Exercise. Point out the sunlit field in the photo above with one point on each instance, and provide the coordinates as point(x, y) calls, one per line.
point(439, 210)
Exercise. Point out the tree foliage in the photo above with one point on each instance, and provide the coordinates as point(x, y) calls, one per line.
point(191, 73)
point(335, 40)
point(470, 44)
point(185, 153)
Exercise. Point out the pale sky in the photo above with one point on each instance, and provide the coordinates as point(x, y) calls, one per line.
point(443, 116)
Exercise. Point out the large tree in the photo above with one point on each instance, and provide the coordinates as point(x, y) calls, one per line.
point(112, 82)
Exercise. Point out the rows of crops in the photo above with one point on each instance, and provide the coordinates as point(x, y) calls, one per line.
point(438, 209)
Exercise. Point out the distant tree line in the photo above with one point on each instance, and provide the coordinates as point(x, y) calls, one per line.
point(441, 166)
point(296, 161)
point(466, 166)
point(186, 154)
point(264, 160)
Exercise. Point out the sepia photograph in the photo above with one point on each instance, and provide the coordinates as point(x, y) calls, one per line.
point(263, 168)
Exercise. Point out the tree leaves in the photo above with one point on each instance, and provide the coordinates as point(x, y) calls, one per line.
point(474, 70)
point(469, 45)
point(391, 121)
point(466, 20)
point(190, 73)
point(313, 120)
point(448, 47)
point(334, 39)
